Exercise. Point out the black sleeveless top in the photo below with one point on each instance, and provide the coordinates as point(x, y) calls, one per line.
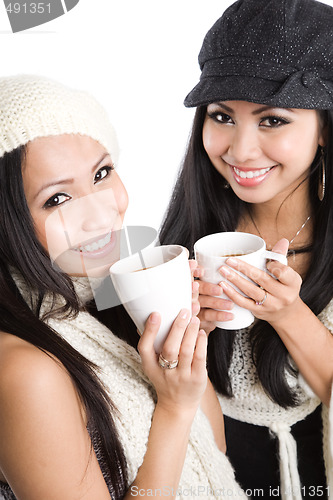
point(253, 452)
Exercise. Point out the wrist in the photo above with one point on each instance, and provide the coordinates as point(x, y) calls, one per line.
point(290, 317)
point(175, 412)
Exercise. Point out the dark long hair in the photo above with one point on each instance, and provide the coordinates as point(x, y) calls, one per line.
point(200, 205)
point(21, 250)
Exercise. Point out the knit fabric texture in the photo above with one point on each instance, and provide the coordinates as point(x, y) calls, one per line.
point(207, 471)
point(33, 106)
point(251, 404)
point(274, 52)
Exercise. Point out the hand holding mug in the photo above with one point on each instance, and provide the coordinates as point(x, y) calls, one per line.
point(213, 252)
point(213, 308)
point(181, 386)
point(278, 290)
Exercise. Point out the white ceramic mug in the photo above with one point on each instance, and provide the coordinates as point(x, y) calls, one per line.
point(157, 279)
point(213, 250)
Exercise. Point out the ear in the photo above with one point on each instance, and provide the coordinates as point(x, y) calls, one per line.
point(322, 141)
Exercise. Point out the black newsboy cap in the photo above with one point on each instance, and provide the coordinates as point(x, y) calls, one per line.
point(274, 52)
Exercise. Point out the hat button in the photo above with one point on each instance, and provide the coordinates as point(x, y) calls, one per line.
point(308, 79)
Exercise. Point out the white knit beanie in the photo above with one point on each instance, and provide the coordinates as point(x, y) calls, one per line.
point(33, 106)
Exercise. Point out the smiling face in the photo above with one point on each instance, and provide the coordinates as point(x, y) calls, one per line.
point(77, 202)
point(264, 153)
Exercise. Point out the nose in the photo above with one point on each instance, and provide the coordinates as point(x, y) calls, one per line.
point(98, 211)
point(244, 145)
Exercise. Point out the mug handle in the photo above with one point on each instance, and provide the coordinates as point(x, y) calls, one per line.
point(276, 256)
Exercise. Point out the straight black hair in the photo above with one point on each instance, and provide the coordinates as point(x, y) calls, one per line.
point(201, 205)
point(20, 250)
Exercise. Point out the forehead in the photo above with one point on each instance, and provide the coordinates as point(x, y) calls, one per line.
point(60, 155)
point(64, 147)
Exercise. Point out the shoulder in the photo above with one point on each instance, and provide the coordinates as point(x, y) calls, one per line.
point(32, 383)
point(23, 366)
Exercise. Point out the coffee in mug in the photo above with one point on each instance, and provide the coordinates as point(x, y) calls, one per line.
point(226, 256)
point(142, 269)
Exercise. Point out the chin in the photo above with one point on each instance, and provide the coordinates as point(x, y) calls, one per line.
point(76, 266)
point(101, 272)
point(249, 195)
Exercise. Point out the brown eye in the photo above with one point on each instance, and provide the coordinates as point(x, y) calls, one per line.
point(102, 173)
point(220, 117)
point(56, 200)
point(273, 121)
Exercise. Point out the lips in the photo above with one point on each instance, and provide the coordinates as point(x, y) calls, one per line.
point(94, 245)
point(98, 248)
point(250, 177)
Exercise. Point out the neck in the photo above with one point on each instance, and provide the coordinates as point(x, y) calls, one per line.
point(282, 218)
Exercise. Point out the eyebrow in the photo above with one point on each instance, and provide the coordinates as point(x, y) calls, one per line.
point(70, 180)
point(256, 111)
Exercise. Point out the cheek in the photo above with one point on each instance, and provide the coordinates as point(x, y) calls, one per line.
point(298, 149)
point(214, 141)
point(121, 198)
point(57, 234)
point(281, 150)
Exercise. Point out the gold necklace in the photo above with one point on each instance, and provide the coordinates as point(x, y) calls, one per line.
point(291, 241)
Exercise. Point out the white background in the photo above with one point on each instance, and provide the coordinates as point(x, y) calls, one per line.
point(139, 59)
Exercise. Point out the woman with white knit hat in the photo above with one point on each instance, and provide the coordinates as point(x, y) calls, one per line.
point(79, 417)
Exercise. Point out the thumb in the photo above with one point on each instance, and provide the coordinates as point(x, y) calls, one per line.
point(281, 246)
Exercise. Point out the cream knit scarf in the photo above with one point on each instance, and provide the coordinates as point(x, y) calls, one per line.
point(250, 404)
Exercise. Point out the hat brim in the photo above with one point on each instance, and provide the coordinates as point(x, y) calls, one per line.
point(292, 94)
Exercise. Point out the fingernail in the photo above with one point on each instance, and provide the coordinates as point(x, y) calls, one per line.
point(195, 320)
point(195, 286)
point(184, 313)
point(231, 261)
point(225, 271)
point(154, 318)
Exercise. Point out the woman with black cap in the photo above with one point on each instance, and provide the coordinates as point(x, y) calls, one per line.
point(260, 160)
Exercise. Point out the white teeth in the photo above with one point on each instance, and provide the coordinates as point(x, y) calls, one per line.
point(97, 245)
point(249, 174)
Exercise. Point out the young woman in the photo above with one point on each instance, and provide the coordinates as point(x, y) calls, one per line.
point(81, 417)
point(259, 160)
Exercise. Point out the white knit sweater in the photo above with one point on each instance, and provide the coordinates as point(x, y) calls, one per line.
point(251, 404)
point(207, 473)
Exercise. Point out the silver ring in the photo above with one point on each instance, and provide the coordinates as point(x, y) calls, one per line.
point(260, 302)
point(165, 364)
